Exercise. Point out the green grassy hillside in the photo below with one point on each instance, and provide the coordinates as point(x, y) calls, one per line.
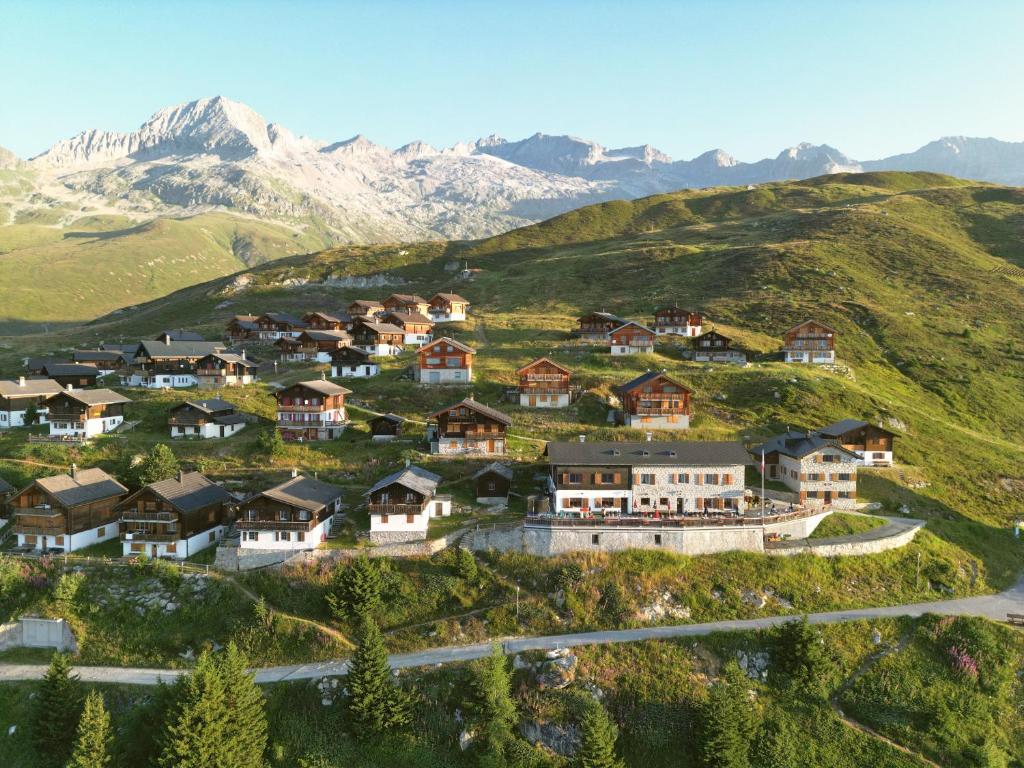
point(103, 262)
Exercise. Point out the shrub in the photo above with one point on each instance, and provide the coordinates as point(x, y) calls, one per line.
point(66, 592)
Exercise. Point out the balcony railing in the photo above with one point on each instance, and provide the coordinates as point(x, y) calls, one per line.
point(139, 536)
point(302, 408)
point(396, 509)
point(149, 517)
point(276, 525)
point(35, 529)
point(309, 424)
point(176, 422)
point(646, 410)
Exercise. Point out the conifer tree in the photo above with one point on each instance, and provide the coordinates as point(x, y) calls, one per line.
point(802, 657)
point(495, 708)
point(356, 589)
point(92, 744)
point(727, 721)
point(597, 738)
point(375, 703)
point(778, 744)
point(159, 464)
point(245, 722)
point(57, 711)
point(195, 728)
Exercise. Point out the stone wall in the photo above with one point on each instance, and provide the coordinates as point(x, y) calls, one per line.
point(32, 632)
point(849, 546)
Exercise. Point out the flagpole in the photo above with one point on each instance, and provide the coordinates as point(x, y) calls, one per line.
point(762, 488)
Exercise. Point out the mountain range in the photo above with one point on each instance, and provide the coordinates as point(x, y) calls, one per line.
point(220, 155)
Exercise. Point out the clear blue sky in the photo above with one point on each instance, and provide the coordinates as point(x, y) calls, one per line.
point(872, 78)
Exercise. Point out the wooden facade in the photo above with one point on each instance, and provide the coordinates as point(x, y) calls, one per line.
point(597, 325)
point(371, 335)
point(322, 321)
point(152, 524)
point(444, 361)
point(406, 302)
point(311, 410)
point(677, 321)
point(468, 427)
point(544, 382)
point(65, 505)
point(809, 342)
point(631, 338)
point(655, 395)
point(67, 407)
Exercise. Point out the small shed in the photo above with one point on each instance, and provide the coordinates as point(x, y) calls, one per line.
point(385, 427)
point(493, 483)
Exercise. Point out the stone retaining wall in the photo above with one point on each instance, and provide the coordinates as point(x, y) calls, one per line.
point(847, 546)
point(32, 632)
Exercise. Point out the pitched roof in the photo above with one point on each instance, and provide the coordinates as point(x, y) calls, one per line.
point(5, 487)
point(179, 334)
point(283, 317)
point(304, 492)
point(325, 315)
point(187, 491)
point(381, 327)
point(207, 406)
point(38, 363)
point(408, 298)
point(807, 322)
point(348, 351)
point(497, 468)
point(449, 297)
point(326, 335)
point(539, 360)
point(231, 357)
point(841, 427)
point(633, 322)
point(392, 417)
point(608, 316)
point(410, 317)
point(799, 444)
point(30, 388)
point(643, 378)
point(83, 487)
point(98, 355)
point(412, 477)
point(246, 318)
point(323, 387)
point(685, 453)
point(448, 340)
point(69, 369)
point(366, 303)
point(94, 396)
point(479, 408)
point(159, 349)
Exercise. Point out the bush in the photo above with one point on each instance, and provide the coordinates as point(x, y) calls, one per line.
point(66, 593)
point(270, 442)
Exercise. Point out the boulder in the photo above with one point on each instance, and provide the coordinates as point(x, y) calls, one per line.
point(563, 740)
point(557, 673)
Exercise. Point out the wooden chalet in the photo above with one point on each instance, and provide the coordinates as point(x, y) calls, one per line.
point(714, 347)
point(178, 334)
point(631, 339)
point(312, 345)
point(418, 328)
point(468, 427)
point(810, 342)
point(677, 322)
point(105, 361)
point(381, 339)
point(272, 326)
point(67, 512)
point(448, 308)
point(873, 444)
point(401, 505)
point(544, 384)
point(311, 410)
point(225, 369)
point(175, 518)
point(243, 328)
point(293, 515)
point(493, 483)
point(166, 364)
point(85, 413)
point(71, 374)
point(36, 365)
point(385, 427)
point(597, 325)
point(323, 321)
point(445, 361)
point(365, 308)
point(17, 397)
point(654, 400)
point(352, 362)
point(406, 302)
point(205, 419)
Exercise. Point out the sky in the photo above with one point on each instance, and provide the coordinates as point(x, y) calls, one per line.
point(871, 78)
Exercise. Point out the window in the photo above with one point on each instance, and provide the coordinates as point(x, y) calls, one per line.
point(710, 479)
point(58, 541)
point(647, 479)
point(213, 536)
point(607, 478)
point(490, 485)
point(663, 501)
point(452, 362)
point(845, 476)
point(284, 536)
point(575, 478)
point(595, 539)
point(101, 531)
point(657, 539)
point(645, 501)
point(410, 519)
point(252, 535)
point(283, 516)
point(383, 519)
point(829, 457)
point(172, 547)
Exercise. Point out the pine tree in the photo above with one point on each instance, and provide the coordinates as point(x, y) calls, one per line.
point(57, 711)
point(356, 589)
point(31, 415)
point(195, 728)
point(245, 726)
point(597, 738)
point(92, 747)
point(465, 565)
point(727, 721)
point(778, 744)
point(375, 703)
point(494, 706)
point(802, 657)
point(159, 464)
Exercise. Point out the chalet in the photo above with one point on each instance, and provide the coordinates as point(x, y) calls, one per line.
point(322, 321)
point(225, 369)
point(381, 339)
point(160, 364)
point(819, 470)
point(204, 419)
point(71, 374)
point(418, 328)
point(468, 427)
point(445, 361)
point(810, 342)
point(544, 384)
point(714, 347)
point(175, 518)
point(36, 365)
point(105, 361)
point(272, 326)
point(365, 308)
point(178, 334)
point(631, 339)
point(85, 413)
point(406, 302)
point(352, 363)
point(16, 397)
point(385, 427)
point(448, 308)
point(654, 400)
point(597, 325)
point(646, 479)
point(872, 443)
point(312, 345)
point(67, 512)
point(311, 410)
point(243, 328)
point(401, 505)
point(493, 483)
point(677, 322)
point(296, 514)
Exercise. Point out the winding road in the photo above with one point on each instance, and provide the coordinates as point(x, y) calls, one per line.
point(994, 607)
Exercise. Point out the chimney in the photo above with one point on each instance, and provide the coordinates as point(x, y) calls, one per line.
point(295, 472)
point(243, 354)
point(407, 463)
point(323, 375)
point(21, 381)
point(69, 388)
point(74, 471)
point(181, 475)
